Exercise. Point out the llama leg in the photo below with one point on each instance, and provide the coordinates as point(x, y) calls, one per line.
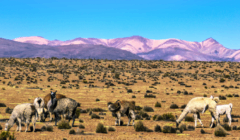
point(19, 124)
point(199, 119)
point(132, 114)
point(33, 123)
point(229, 118)
point(195, 119)
point(73, 118)
point(212, 122)
point(129, 120)
point(119, 118)
point(56, 118)
point(215, 116)
point(27, 122)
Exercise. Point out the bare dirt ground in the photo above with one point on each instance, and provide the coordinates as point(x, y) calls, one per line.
point(22, 80)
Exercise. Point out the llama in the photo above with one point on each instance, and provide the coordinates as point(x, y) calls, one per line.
point(122, 107)
point(222, 110)
point(197, 105)
point(22, 112)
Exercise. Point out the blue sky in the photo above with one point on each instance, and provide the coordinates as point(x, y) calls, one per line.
point(191, 20)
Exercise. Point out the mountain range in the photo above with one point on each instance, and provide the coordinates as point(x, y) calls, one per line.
point(135, 47)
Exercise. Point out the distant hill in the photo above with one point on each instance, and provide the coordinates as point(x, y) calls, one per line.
point(9, 48)
point(167, 49)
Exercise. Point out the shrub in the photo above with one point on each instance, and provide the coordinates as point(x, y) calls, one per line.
point(98, 110)
point(182, 128)
point(191, 128)
point(183, 106)
point(154, 117)
point(111, 129)
point(129, 91)
point(77, 113)
point(158, 104)
point(202, 131)
point(72, 131)
point(63, 124)
point(81, 121)
point(159, 117)
point(97, 100)
point(227, 127)
point(168, 116)
point(189, 119)
point(229, 95)
point(95, 116)
point(0, 127)
point(143, 114)
point(43, 128)
point(101, 129)
point(235, 95)
point(138, 108)
point(222, 97)
point(168, 129)
point(222, 80)
point(2, 105)
point(81, 126)
point(8, 110)
point(157, 128)
point(49, 128)
point(133, 96)
point(6, 134)
point(234, 127)
point(139, 126)
point(148, 109)
point(205, 95)
point(174, 106)
point(220, 131)
point(149, 96)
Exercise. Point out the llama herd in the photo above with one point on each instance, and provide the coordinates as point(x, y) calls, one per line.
point(58, 104)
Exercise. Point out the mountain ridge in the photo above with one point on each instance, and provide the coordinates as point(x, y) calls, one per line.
point(207, 50)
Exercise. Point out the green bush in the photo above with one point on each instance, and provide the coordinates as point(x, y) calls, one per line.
point(158, 104)
point(139, 126)
point(95, 116)
point(81, 121)
point(63, 124)
point(189, 119)
point(148, 109)
point(222, 80)
point(101, 129)
point(227, 127)
point(173, 106)
point(168, 129)
point(81, 126)
point(7, 135)
point(182, 127)
point(111, 129)
point(8, 110)
point(157, 128)
point(168, 116)
point(77, 113)
point(220, 131)
point(72, 131)
point(149, 96)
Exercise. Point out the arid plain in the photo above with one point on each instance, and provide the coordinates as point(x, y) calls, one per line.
point(94, 83)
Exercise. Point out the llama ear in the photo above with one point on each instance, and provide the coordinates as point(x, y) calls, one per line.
point(211, 97)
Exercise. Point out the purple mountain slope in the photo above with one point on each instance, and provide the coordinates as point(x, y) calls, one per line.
point(167, 49)
point(9, 48)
